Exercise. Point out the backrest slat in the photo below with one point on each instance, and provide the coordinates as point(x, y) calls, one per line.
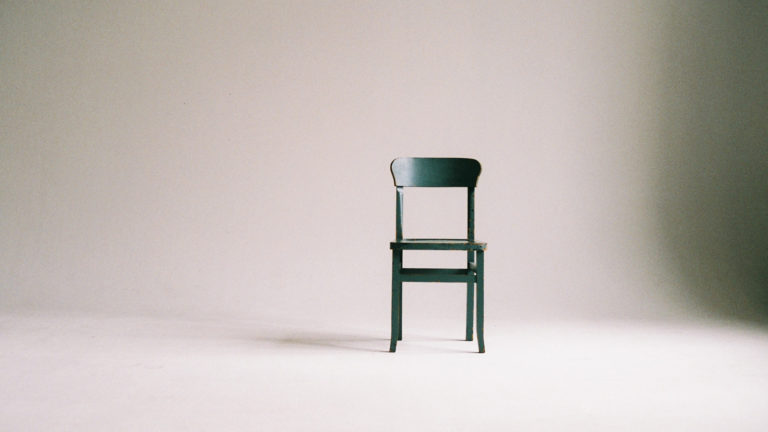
point(399, 214)
point(471, 214)
point(435, 172)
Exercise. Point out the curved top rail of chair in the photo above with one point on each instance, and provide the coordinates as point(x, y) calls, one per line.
point(435, 172)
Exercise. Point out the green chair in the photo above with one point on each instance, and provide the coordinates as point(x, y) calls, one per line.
point(437, 172)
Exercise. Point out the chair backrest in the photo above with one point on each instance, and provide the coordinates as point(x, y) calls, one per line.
point(435, 172)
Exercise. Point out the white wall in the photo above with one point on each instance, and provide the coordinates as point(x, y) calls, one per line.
point(232, 157)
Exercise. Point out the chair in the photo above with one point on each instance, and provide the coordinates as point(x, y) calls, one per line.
point(437, 172)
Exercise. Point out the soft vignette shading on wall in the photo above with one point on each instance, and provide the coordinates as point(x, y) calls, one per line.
point(712, 157)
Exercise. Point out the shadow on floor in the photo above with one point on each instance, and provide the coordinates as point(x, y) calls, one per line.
point(353, 342)
point(338, 341)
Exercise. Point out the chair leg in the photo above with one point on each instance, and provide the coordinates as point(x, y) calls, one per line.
point(395, 316)
point(480, 301)
point(470, 299)
point(400, 312)
point(396, 298)
point(470, 309)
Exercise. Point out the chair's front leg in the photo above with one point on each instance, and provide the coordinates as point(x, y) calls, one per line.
point(470, 298)
point(480, 300)
point(400, 311)
point(396, 298)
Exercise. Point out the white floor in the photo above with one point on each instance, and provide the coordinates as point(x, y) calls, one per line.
point(88, 373)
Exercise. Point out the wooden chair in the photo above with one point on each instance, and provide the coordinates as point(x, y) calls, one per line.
point(437, 172)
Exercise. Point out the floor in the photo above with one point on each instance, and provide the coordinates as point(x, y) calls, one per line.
point(97, 373)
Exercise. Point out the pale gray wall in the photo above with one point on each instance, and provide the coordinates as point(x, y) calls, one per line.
point(232, 157)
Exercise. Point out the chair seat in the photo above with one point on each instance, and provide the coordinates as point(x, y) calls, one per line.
point(437, 244)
